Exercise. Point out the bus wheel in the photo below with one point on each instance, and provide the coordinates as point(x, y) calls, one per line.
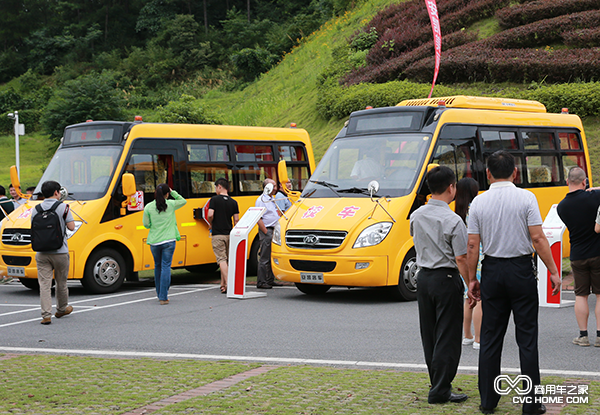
point(31, 283)
point(312, 289)
point(104, 272)
point(406, 289)
point(252, 263)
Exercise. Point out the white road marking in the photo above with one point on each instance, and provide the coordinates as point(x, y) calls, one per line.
point(94, 308)
point(281, 360)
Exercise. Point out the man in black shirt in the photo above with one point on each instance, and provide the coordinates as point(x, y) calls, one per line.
point(220, 211)
point(578, 211)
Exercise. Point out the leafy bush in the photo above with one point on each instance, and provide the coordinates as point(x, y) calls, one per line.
point(186, 110)
point(92, 96)
point(250, 63)
point(583, 38)
point(539, 10)
point(364, 40)
point(582, 99)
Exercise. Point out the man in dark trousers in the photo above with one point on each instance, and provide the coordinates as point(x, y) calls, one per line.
point(507, 222)
point(578, 211)
point(440, 239)
point(221, 210)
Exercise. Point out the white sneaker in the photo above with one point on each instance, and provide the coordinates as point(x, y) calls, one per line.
point(467, 341)
point(476, 345)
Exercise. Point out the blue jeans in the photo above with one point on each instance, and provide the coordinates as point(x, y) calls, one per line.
point(163, 256)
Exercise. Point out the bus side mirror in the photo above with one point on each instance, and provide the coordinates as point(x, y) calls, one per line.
point(14, 180)
point(432, 166)
point(282, 173)
point(128, 184)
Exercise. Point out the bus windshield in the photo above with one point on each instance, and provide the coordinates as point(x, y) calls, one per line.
point(84, 171)
point(394, 160)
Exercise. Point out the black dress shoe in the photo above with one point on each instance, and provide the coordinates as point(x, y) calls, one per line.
point(276, 284)
point(486, 410)
point(457, 397)
point(540, 410)
point(264, 286)
point(454, 397)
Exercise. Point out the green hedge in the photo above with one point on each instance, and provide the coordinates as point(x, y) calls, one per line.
point(338, 102)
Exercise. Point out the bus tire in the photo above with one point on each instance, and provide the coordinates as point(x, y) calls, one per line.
point(313, 289)
point(104, 271)
point(406, 290)
point(252, 263)
point(31, 283)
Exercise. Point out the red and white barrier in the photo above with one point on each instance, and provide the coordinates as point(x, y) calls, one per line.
point(238, 252)
point(554, 229)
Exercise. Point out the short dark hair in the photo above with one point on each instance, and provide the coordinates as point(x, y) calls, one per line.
point(223, 182)
point(30, 189)
point(439, 178)
point(2, 191)
point(49, 187)
point(501, 164)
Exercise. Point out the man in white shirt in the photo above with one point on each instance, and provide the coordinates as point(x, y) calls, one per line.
point(265, 278)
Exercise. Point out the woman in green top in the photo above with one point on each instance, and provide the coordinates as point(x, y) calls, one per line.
point(159, 217)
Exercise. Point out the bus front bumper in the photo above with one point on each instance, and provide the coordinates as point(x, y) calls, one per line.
point(347, 271)
point(23, 265)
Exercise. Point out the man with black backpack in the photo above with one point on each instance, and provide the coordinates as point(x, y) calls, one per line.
point(48, 238)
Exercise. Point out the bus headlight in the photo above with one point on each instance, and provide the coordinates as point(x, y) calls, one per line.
point(373, 235)
point(277, 235)
point(77, 226)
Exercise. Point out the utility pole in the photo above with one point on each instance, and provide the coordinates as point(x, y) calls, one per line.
point(19, 130)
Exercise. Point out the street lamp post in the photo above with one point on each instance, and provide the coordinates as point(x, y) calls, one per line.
point(19, 130)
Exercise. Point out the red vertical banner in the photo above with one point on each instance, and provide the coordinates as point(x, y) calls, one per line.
point(437, 38)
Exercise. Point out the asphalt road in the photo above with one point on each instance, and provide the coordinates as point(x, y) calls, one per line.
point(343, 327)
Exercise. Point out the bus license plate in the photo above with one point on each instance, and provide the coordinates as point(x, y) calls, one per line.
point(315, 278)
point(15, 271)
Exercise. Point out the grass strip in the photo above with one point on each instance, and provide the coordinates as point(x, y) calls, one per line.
point(41, 384)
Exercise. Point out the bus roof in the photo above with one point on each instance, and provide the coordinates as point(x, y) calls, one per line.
point(488, 103)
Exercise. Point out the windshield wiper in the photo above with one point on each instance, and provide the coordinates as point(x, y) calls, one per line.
point(358, 190)
point(327, 185)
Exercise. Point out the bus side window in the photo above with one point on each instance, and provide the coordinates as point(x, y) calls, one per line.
point(202, 178)
point(149, 171)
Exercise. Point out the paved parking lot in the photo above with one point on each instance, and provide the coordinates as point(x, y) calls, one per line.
point(358, 327)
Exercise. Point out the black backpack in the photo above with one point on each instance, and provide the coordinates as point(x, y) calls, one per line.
point(47, 234)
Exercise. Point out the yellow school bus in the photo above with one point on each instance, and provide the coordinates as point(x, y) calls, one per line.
point(95, 159)
point(351, 225)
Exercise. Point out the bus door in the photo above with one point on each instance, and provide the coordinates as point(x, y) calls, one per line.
point(457, 147)
point(151, 168)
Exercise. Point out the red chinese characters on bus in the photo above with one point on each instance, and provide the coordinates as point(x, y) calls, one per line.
point(348, 212)
point(312, 212)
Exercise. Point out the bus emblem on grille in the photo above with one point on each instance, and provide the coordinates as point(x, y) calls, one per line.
point(311, 239)
point(17, 237)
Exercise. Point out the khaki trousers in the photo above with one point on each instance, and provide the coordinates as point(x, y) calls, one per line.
point(47, 266)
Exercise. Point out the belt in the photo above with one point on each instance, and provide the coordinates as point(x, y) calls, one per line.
point(510, 258)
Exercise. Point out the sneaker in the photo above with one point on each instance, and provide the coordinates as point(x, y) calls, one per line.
point(46, 320)
point(597, 344)
point(476, 345)
point(164, 302)
point(67, 311)
point(467, 342)
point(581, 341)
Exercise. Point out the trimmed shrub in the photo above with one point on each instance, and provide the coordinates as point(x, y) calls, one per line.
point(543, 32)
point(583, 38)
point(544, 9)
point(476, 62)
point(393, 68)
point(582, 99)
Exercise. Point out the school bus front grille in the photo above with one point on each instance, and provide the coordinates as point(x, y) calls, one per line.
point(18, 237)
point(22, 261)
point(314, 239)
